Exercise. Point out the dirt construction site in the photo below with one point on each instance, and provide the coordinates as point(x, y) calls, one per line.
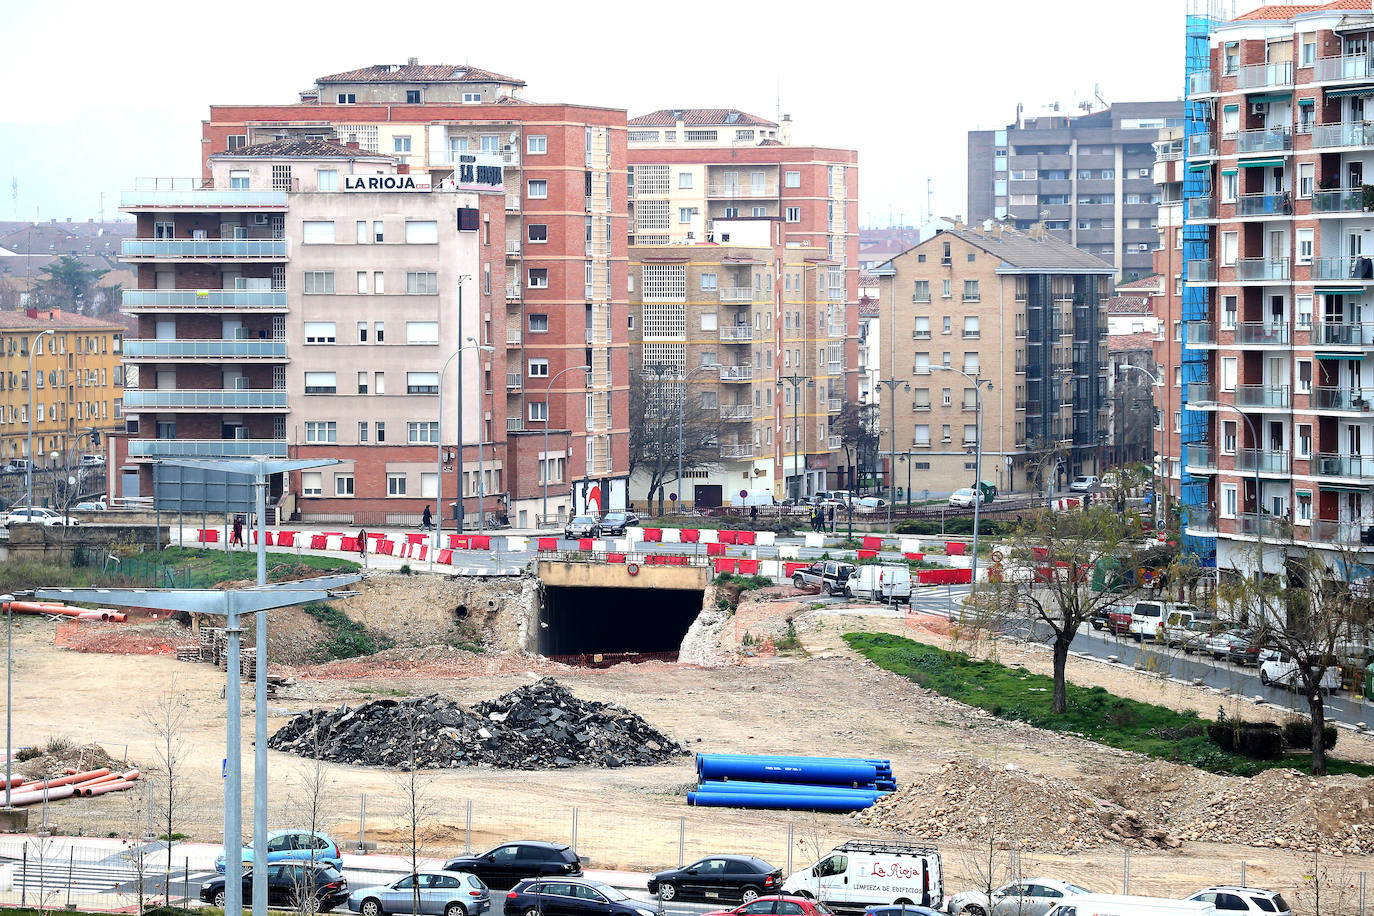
point(1048, 803)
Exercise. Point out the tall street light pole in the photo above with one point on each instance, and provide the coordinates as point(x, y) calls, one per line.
point(795, 380)
point(977, 384)
point(548, 391)
point(1259, 522)
point(28, 468)
point(439, 448)
point(481, 434)
point(1154, 469)
point(891, 384)
point(9, 683)
point(681, 401)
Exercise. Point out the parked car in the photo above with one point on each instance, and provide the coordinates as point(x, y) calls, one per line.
point(1150, 619)
point(1179, 620)
point(615, 523)
point(880, 583)
point(1280, 669)
point(1030, 897)
point(1195, 635)
point(783, 906)
point(37, 516)
point(1232, 645)
point(441, 894)
point(1098, 618)
point(582, 526)
point(571, 897)
point(92, 461)
point(294, 844)
point(1121, 905)
point(1119, 619)
point(17, 466)
point(89, 507)
point(1233, 899)
point(289, 885)
point(503, 866)
point(1086, 483)
point(867, 502)
point(862, 873)
point(963, 498)
point(904, 909)
point(717, 878)
point(830, 575)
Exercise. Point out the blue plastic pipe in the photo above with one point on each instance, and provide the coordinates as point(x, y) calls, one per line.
point(766, 770)
point(744, 787)
point(793, 802)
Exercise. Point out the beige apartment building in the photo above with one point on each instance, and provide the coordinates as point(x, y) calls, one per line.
point(749, 322)
point(1022, 310)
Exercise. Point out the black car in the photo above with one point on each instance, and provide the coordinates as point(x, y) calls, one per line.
point(582, 526)
point(506, 864)
point(289, 884)
point(741, 878)
point(571, 897)
point(617, 522)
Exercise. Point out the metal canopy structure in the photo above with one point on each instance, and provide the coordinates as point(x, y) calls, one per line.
point(211, 601)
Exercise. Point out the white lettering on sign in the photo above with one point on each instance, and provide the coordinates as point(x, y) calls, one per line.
point(382, 183)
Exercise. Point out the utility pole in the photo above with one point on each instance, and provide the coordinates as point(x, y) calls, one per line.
point(798, 457)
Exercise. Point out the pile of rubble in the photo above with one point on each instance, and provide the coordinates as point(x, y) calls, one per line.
point(539, 726)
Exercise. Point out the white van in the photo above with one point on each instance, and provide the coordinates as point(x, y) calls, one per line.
point(751, 498)
point(1278, 668)
point(1121, 905)
point(1149, 618)
point(1184, 624)
point(887, 584)
point(861, 874)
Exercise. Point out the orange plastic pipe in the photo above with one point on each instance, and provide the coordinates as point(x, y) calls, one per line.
point(30, 798)
point(73, 778)
point(110, 787)
point(83, 788)
point(131, 775)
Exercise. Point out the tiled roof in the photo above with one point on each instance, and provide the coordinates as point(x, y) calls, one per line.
point(1150, 283)
point(1143, 340)
point(1289, 10)
point(1020, 249)
point(1129, 305)
point(54, 318)
point(700, 117)
point(303, 149)
point(419, 73)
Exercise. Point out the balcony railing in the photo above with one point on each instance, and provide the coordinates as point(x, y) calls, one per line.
point(1202, 519)
point(1269, 461)
point(736, 294)
point(1347, 67)
point(206, 448)
point(837, 330)
point(1262, 269)
point(1201, 391)
point(1200, 271)
point(736, 450)
point(1264, 205)
point(513, 293)
point(512, 337)
point(1199, 333)
point(740, 190)
point(228, 299)
point(1329, 464)
point(1269, 396)
point(207, 199)
point(834, 367)
point(1338, 200)
point(833, 442)
point(1200, 208)
point(1355, 334)
point(1351, 399)
point(1261, 334)
point(739, 333)
point(1201, 456)
point(1201, 145)
point(513, 203)
point(163, 249)
point(1343, 269)
point(204, 399)
point(513, 381)
point(515, 424)
point(136, 348)
point(1264, 140)
point(1257, 76)
point(1342, 533)
point(737, 412)
point(736, 373)
point(513, 246)
point(1268, 526)
point(1325, 136)
point(1199, 82)
point(834, 405)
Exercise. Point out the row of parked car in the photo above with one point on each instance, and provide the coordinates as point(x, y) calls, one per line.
point(590, 526)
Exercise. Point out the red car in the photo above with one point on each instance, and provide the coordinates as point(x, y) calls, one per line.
point(1119, 621)
point(777, 905)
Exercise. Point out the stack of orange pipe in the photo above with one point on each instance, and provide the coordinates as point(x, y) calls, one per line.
point(72, 785)
point(63, 610)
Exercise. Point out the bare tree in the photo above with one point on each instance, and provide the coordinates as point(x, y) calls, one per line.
point(857, 427)
point(166, 717)
point(314, 795)
point(654, 405)
point(1058, 555)
point(136, 800)
point(419, 805)
point(10, 296)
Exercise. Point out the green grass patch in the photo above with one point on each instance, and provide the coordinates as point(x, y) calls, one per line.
point(1017, 694)
point(743, 583)
point(347, 638)
point(206, 567)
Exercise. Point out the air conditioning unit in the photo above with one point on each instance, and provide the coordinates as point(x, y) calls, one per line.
point(725, 236)
point(691, 236)
point(1258, 108)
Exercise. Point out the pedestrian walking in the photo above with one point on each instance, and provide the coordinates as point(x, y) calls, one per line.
point(237, 537)
point(753, 514)
point(832, 518)
point(427, 520)
point(362, 543)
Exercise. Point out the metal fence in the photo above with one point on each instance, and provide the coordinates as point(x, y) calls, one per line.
point(52, 873)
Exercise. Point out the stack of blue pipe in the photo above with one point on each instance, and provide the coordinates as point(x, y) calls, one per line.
point(792, 783)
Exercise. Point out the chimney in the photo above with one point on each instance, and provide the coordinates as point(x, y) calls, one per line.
point(352, 144)
point(412, 61)
point(31, 313)
point(403, 168)
point(785, 130)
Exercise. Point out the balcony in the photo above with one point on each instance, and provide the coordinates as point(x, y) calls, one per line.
point(1258, 76)
point(736, 294)
point(1201, 271)
point(204, 399)
point(204, 300)
point(1347, 67)
point(1200, 333)
point(513, 337)
point(1200, 145)
point(1338, 200)
point(1264, 140)
point(737, 412)
point(736, 450)
point(1343, 269)
point(837, 331)
point(1347, 467)
point(1200, 208)
point(1199, 83)
point(513, 381)
point(515, 424)
point(1353, 400)
point(1201, 392)
point(834, 405)
point(512, 248)
point(512, 203)
point(1262, 269)
point(739, 333)
point(834, 367)
point(1202, 520)
point(837, 294)
point(1269, 397)
point(1332, 334)
point(186, 198)
point(736, 373)
point(1266, 461)
point(1264, 525)
point(203, 249)
point(1326, 136)
point(1341, 533)
point(1264, 205)
point(833, 442)
point(1261, 334)
point(513, 293)
point(1202, 458)
point(734, 191)
point(205, 349)
point(207, 448)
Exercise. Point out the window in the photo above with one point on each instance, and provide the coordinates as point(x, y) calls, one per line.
point(317, 232)
point(537, 232)
point(422, 332)
point(537, 144)
point(422, 433)
point(378, 282)
point(1309, 51)
point(539, 278)
point(421, 284)
point(343, 484)
point(1304, 307)
point(319, 332)
point(539, 324)
point(708, 321)
point(321, 431)
point(312, 483)
point(362, 332)
point(1229, 365)
point(970, 326)
point(347, 98)
point(684, 180)
point(1229, 186)
point(238, 179)
point(945, 435)
point(395, 483)
point(471, 97)
point(970, 363)
point(318, 282)
point(281, 178)
point(412, 97)
point(362, 382)
point(1305, 178)
point(1229, 312)
point(758, 211)
point(1304, 440)
point(1304, 501)
point(947, 325)
point(920, 291)
point(422, 383)
point(922, 437)
point(685, 214)
point(320, 383)
point(710, 281)
point(920, 399)
point(400, 144)
point(791, 179)
point(236, 141)
point(422, 232)
point(1305, 243)
point(1304, 376)
point(971, 291)
point(362, 282)
point(379, 336)
point(944, 289)
point(1230, 247)
point(379, 386)
point(537, 189)
point(794, 214)
point(922, 329)
point(539, 410)
point(1228, 500)
point(539, 368)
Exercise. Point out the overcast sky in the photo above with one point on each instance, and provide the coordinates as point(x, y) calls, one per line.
point(96, 94)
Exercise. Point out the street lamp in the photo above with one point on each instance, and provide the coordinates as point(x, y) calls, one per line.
point(481, 433)
point(439, 446)
point(978, 384)
point(795, 381)
point(1154, 469)
point(9, 678)
point(1254, 437)
point(28, 471)
point(891, 385)
point(682, 400)
point(548, 391)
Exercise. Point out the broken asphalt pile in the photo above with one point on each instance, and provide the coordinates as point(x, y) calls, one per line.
point(540, 726)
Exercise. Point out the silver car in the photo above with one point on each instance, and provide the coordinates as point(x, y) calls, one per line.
point(1030, 897)
point(442, 893)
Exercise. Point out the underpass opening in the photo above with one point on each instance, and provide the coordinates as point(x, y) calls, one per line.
point(592, 621)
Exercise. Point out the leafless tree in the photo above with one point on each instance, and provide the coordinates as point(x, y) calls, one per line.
point(313, 796)
point(857, 427)
point(654, 402)
point(166, 717)
point(419, 805)
point(136, 801)
point(9, 296)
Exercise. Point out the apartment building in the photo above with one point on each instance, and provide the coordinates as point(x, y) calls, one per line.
point(1166, 295)
point(691, 168)
point(563, 304)
point(77, 384)
point(1277, 319)
point(1022, 310)
point(1088, 178)
point(735, 325)
point(305, 305)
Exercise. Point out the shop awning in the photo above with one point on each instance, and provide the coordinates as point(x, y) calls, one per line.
point(1307, 103)
point(1338, 291)
point(1344, 487)
point(1260, 163)
point(1346, 93)
point(1229, 171)
point(1335, 356)
point(1199, 166)
point(1270, 97)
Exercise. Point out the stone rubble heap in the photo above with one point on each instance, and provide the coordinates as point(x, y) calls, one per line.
point(538, 726)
